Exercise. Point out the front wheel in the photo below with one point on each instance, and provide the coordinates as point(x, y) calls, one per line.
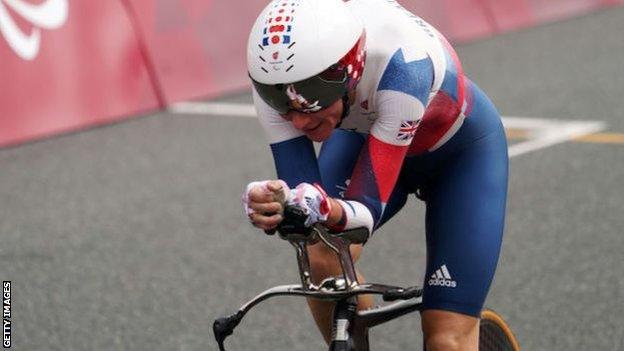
point(495, 334)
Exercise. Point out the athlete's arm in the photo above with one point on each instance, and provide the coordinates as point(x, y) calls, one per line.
point(293, 153)
point(295, 163)
point(402, 97)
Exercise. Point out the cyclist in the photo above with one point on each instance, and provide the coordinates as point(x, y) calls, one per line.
point(385, 93)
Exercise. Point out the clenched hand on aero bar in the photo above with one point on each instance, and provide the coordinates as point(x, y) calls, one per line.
point(264, 201)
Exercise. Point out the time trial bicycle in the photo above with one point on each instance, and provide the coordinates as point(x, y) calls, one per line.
point(350, 327)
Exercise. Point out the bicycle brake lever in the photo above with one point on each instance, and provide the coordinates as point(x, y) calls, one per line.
point(224, 327)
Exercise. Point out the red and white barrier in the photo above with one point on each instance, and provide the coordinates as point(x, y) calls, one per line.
point(197, 46)
point(67, 64)
point(84, 70)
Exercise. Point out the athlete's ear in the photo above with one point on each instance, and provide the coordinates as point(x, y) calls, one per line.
point(351, 96)
point(346, 108)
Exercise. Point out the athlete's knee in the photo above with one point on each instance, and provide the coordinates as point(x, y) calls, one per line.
point(324, 262)
point(450, 331)
point(446, 341)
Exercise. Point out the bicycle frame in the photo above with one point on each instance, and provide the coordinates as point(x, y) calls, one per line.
point(350, 327)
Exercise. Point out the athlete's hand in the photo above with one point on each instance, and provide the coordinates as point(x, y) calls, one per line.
point(313, 200)
point(263, 202)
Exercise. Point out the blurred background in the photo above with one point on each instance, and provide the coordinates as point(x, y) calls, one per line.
point(131, 236)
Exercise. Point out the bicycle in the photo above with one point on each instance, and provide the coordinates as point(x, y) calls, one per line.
point(350, 327)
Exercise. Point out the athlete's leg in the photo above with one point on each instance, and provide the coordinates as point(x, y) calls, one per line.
point(465, 218)
point(447, 331)
point(324, 264)
point(336, 162)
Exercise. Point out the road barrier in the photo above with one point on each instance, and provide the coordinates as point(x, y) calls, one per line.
point(67, 64)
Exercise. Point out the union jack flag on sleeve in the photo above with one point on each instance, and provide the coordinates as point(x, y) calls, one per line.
point(407, 130)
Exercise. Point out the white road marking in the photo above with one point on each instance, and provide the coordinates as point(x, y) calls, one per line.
point(548, 132)
point(542, 132)
point(214, 108)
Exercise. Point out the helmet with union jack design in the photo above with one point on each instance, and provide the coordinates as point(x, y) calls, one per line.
point(305, 55)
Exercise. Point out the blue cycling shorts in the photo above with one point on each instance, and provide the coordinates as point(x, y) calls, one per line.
point(464, 187)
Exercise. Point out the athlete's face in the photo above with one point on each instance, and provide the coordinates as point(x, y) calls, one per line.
point(317, 126)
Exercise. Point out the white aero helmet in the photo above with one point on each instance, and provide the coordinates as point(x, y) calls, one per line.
point(305, 54)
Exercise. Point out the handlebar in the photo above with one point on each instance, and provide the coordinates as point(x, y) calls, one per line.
point(293, 230)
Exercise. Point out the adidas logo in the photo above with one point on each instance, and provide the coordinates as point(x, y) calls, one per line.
point(442, 277)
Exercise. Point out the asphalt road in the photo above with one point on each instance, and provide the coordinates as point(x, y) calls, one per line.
point(131, 236)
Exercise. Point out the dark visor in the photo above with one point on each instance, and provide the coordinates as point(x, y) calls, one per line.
point(309, 95)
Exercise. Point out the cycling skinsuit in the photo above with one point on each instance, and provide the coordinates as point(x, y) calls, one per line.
point(418, 125)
